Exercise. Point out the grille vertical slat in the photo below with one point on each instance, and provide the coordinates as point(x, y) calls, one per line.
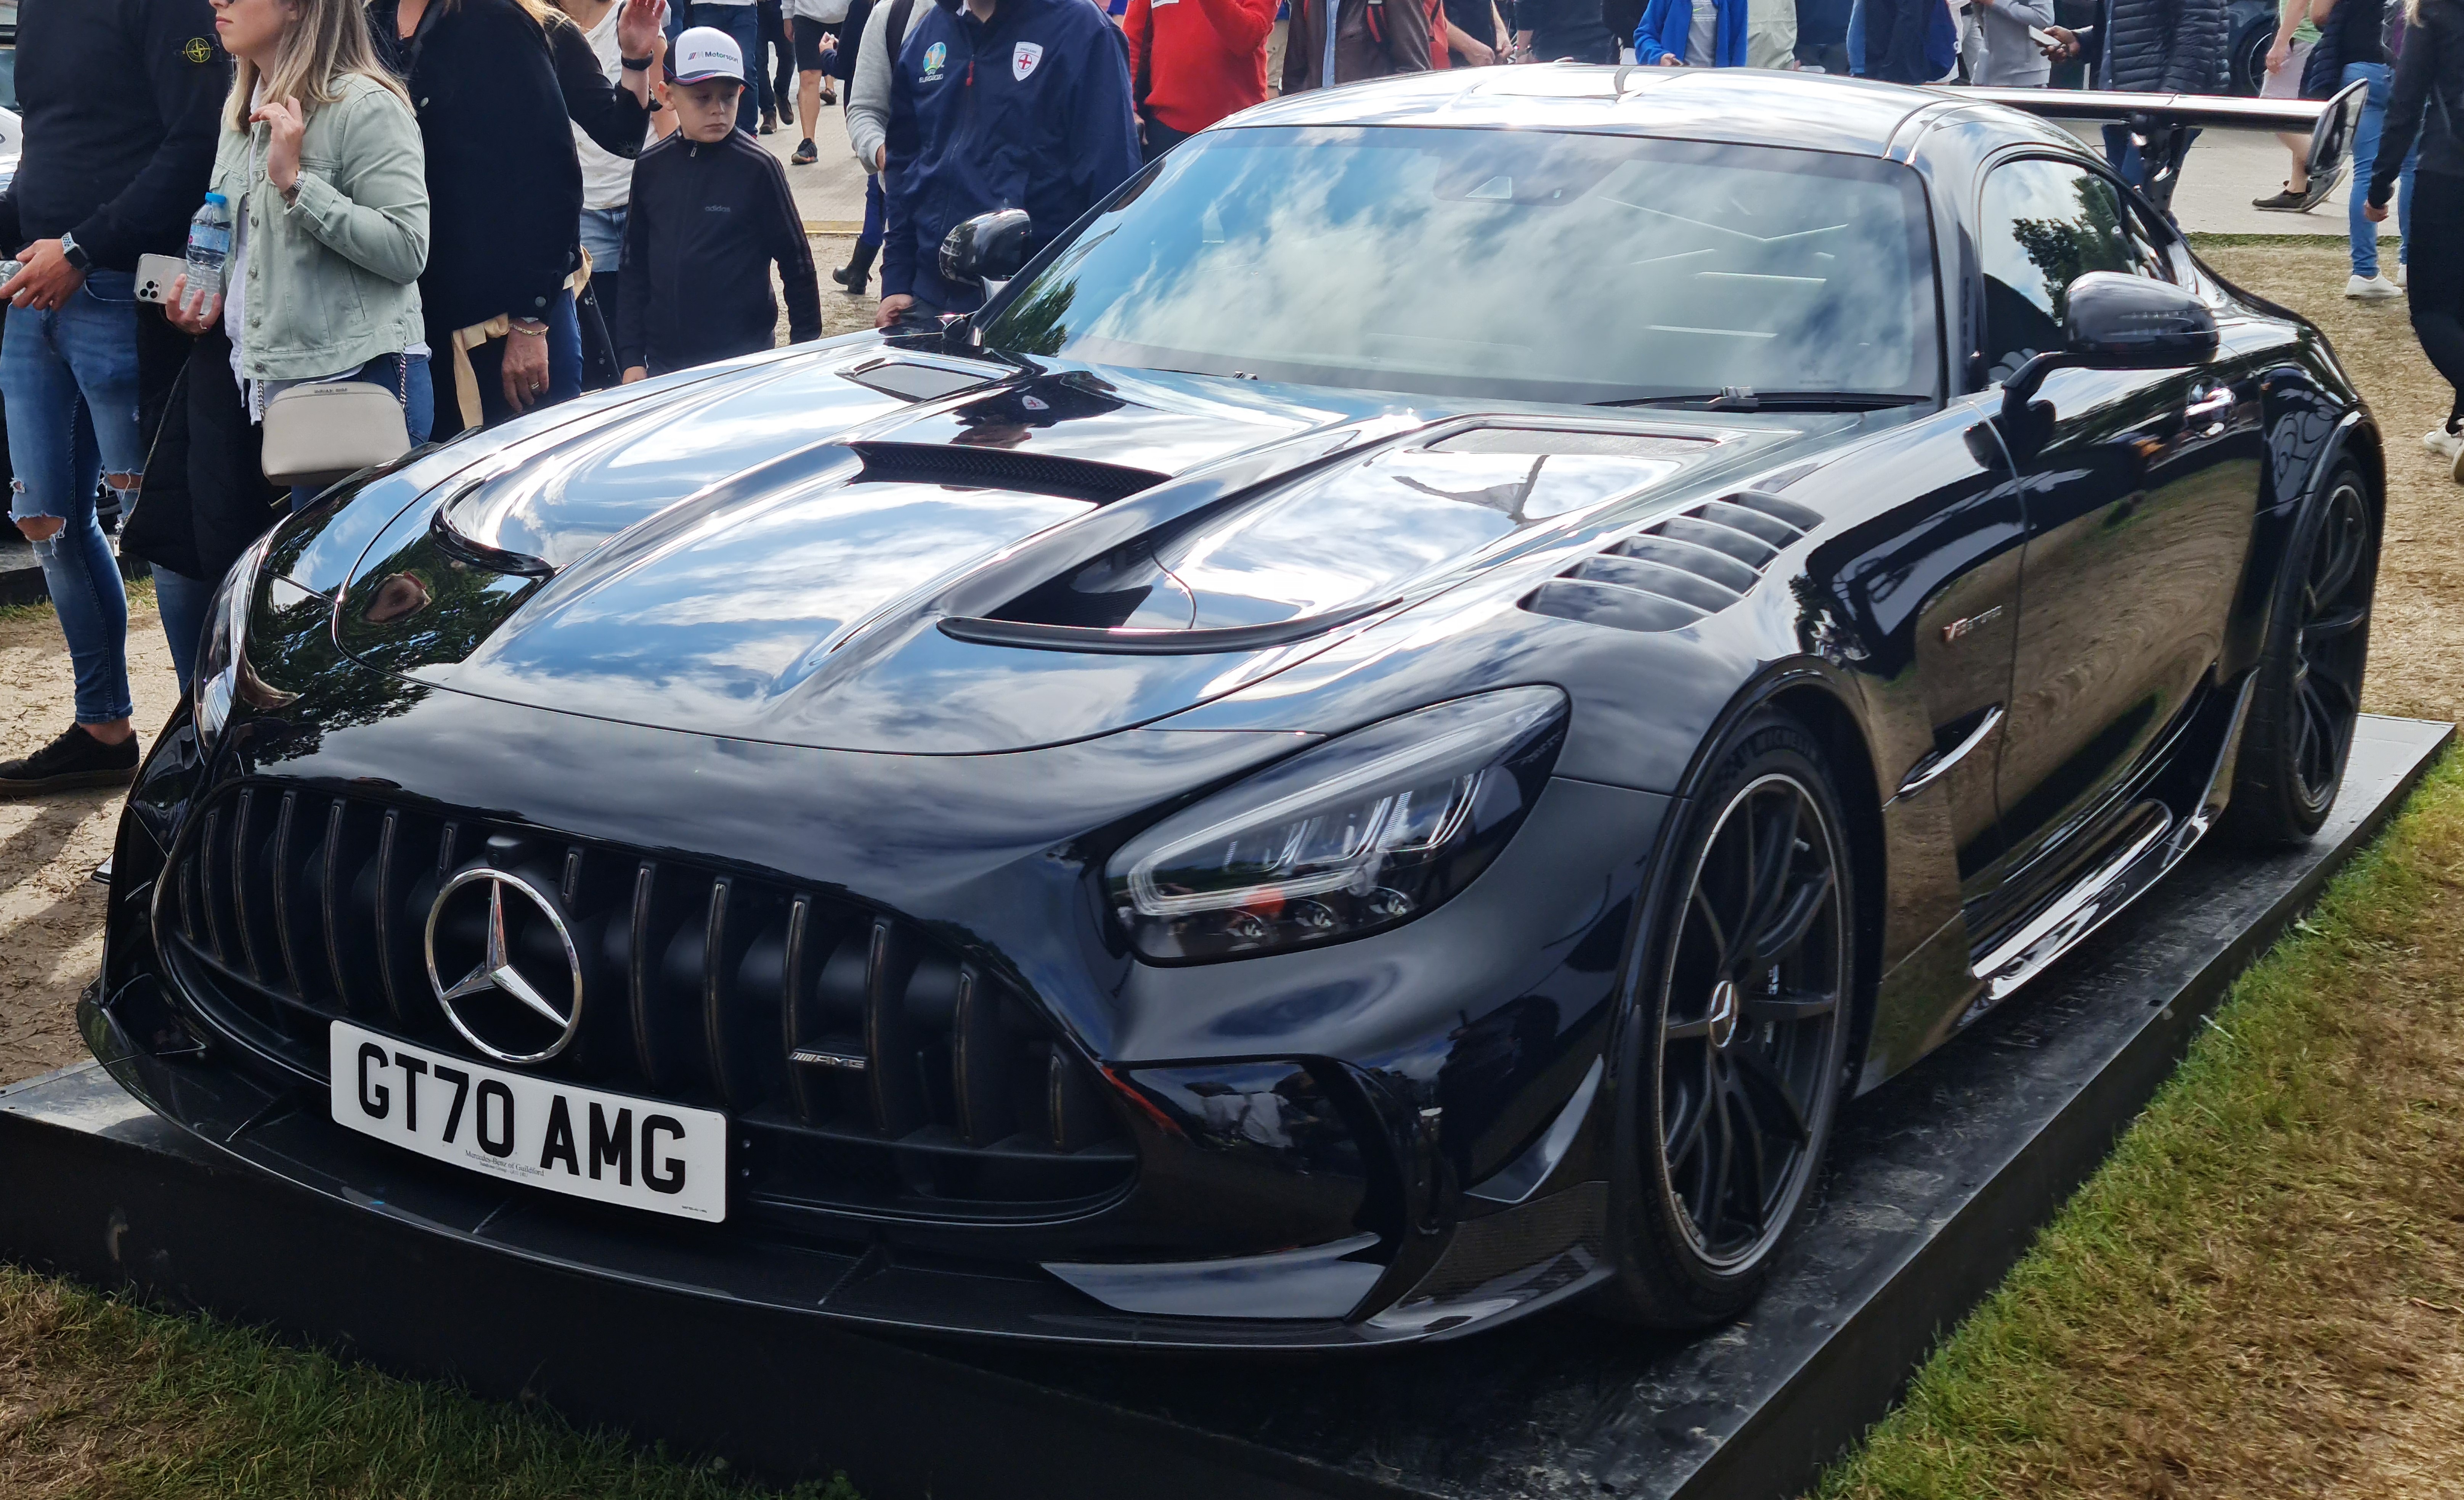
point(638, 977)
point(977, 1072)
point(282, 890)
point(713, 991)
point(205, 879)
point(329, 902)
point(888, 1044)
point(388, 893)
point(240, 883)
point(792, 1000)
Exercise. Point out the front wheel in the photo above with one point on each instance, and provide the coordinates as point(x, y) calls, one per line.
point(2309, 691)
point(1741, 1032)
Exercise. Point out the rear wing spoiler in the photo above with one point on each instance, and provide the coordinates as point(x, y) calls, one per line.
point(2162, 122)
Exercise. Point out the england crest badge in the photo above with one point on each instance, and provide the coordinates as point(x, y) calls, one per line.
point(1023, 61)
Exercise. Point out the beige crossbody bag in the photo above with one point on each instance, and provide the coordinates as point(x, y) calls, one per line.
point(316, 435)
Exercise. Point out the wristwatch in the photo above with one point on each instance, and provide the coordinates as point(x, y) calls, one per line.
point(74, 255)
point(639, 64)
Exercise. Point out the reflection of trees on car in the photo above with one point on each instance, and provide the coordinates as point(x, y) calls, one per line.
point(2063, 250)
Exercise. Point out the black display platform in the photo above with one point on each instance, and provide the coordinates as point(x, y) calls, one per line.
point(1940, 1180)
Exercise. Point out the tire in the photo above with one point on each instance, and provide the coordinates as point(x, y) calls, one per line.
point(2250, 60)
point(2308, 694)
point(1733, 1062)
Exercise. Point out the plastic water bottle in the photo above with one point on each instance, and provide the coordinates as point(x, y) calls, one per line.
point(209, 237)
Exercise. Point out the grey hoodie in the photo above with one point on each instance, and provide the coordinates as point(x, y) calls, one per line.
point(868, 106)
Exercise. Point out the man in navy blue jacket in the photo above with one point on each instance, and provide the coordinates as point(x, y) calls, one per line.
point(998, 104)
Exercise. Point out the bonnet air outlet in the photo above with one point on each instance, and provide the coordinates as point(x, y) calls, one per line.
point(1682, 569)
point(1000, 468)
point(913, 381)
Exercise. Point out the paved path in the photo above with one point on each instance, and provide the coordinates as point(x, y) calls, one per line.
point(830, 193)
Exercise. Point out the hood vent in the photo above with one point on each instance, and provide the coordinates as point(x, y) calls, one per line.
point(1679, 570)
point(1001, 468)
point(909, 380)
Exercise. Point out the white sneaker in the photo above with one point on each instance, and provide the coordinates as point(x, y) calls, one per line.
point(2371, 289)
point(2445, 444)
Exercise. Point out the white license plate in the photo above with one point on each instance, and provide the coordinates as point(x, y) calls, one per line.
point(607, 1147)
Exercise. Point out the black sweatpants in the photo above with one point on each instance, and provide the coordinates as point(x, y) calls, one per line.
point(2433, 261)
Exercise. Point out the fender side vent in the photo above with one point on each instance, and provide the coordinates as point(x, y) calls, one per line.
point(1680, 568)
point(1000, 468)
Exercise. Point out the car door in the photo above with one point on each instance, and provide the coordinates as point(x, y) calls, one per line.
point(2138, 488)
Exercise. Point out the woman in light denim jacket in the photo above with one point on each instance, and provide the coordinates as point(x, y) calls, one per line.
point(322, 161)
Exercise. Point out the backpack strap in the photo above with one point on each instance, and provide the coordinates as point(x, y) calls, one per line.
point(901, 11)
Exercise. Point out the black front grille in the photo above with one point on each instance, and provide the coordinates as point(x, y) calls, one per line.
point(868, 1067)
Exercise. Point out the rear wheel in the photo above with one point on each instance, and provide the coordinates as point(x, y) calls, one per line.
point(2309, 690)
point(1742, 1033)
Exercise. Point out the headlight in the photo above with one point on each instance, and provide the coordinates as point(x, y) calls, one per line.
point(1349, 837)
point(223, 672)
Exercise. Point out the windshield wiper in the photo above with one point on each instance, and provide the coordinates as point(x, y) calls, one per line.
point(1745, 398)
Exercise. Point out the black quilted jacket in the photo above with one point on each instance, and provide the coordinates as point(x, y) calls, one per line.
point(2164, 47)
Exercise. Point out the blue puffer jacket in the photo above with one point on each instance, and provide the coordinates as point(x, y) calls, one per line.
point(1030, 110)
point(1666, 24)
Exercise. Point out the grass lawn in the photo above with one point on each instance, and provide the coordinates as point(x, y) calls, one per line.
point(2261, 1293)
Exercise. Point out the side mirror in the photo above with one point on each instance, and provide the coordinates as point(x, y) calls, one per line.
point(2112, 322)
point(988, 248)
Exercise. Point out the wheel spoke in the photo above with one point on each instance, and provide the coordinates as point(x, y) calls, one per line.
point(1790, 1005)
point(1757, 1169)
point(1754, 1066)
point(1687, 1030)
point(1682, 1141)
point(2341, 542)
point(1718, 1104)
point(2329, 626)
point(1768, 883)
point(1710, 918)
point(1787, 931)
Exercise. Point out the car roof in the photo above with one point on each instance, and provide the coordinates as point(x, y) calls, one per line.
point(1749, 106)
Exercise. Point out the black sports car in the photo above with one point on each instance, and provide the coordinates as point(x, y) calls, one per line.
point(1377, 742)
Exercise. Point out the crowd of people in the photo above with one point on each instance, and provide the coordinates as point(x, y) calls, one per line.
point(487, 206)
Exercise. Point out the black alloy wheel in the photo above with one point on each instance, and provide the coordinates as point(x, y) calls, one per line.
point(1740, 1070)
point(2309, 691)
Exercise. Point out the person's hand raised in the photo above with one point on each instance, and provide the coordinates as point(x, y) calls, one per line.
point(282, 151)
point(642, 22)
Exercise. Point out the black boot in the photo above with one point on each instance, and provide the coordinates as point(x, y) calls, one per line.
point(857, 274)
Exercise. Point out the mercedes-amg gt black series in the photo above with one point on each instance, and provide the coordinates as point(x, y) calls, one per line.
point(1374, 744)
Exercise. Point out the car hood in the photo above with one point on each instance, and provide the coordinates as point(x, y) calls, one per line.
point(857, 548)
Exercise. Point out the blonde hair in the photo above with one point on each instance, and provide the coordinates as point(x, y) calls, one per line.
point(326, 39)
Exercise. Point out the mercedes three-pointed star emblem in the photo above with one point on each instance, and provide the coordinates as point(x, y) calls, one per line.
point(496, 973)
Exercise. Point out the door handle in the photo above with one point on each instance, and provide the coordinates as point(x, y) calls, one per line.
point(1937, 763)
point(2212, 409)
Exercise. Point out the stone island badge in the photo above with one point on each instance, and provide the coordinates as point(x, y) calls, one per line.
point(933, 56)
point(197, 49)
point(1023, 61)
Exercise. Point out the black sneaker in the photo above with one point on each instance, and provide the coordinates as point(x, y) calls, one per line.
point(805, 155)
point(769, 121)
point(2284, 200)
point(76, 758)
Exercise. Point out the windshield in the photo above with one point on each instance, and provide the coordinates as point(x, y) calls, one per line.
point(1521, 265)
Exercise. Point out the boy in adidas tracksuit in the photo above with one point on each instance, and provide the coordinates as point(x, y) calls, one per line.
point(710, 212)
point(998, 104)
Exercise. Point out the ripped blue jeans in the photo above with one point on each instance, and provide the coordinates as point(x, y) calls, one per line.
point(69, 379)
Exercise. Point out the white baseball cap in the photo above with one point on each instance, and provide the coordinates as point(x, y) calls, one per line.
point(704, 53)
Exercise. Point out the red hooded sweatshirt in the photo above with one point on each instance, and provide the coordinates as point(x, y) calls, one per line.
point(1192, 62)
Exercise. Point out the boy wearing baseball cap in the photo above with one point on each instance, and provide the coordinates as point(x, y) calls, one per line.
point(710, 215)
